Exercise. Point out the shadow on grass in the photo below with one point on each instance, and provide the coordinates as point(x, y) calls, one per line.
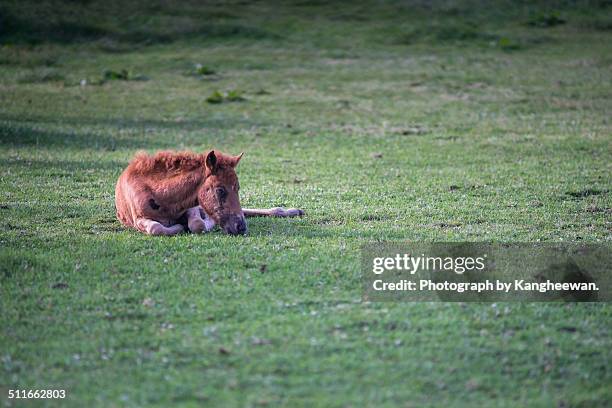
point(25, 136)
point(309, 228)
point(209, 123)
point(98, 23)
point(55, 168)
point(117, 26)
point(24, 132)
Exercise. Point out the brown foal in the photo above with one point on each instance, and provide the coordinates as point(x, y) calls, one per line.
point(157, 194)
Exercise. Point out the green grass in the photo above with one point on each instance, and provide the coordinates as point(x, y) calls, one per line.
point(383, 121)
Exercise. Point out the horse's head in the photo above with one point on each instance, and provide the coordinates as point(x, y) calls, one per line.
point(219, 194)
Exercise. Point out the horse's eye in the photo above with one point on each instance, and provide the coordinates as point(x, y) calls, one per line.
point(221, 193)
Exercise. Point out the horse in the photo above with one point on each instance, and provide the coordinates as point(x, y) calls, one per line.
point(169, 192)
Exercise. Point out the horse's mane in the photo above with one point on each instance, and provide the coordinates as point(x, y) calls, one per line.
point(166, 161)
point(174, 162)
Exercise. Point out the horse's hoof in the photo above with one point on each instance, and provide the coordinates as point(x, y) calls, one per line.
point(197, 226)
point(294, 212)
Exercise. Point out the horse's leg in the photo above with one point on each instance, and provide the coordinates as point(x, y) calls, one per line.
point(272, 212)
point(155, 228)
point(198, 224)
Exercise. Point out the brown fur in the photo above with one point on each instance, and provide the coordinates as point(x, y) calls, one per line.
point(164, 186)
point(154, 192)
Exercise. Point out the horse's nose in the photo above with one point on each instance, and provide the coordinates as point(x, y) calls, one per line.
point(241, 226)
point(236, 225)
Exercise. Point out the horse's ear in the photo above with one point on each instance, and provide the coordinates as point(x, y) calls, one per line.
point(236, 159)
point(211, 161)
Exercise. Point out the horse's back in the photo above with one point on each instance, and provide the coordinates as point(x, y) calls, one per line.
point(159, 187)
point(165, 164)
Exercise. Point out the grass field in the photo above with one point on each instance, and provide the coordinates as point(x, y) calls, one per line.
point(390, 121)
